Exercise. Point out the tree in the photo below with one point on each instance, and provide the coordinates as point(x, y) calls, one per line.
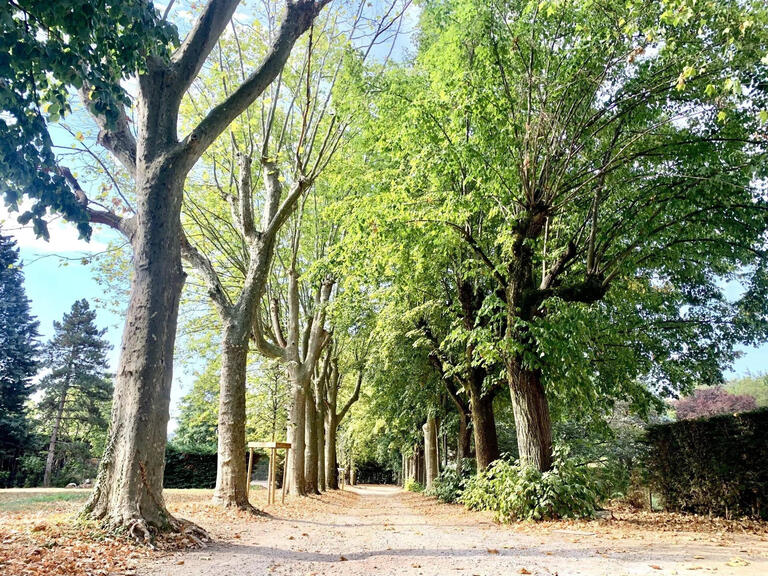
point(78, 383)
point(711, 401)
point(608, 160)
point(128, 490)
point(18, 359)
point(292, 139)
point(755, 385)
point(331, 383)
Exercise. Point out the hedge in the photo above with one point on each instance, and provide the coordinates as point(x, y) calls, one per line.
point(716, 465)
point(189, 469)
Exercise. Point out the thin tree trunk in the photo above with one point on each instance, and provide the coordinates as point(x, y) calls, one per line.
point(310, 442)
point(320, 426)
point(430, 452)
point(484, 428)
point(331, 464)
point(296, 423)
point(231, 483)
point(463, 441)
point(129, 487)
point(532, 419)
point(54, 436)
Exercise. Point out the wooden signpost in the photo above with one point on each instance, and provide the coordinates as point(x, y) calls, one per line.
point(273, 447)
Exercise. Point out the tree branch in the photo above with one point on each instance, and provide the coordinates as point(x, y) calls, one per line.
point(298, 17)
point(117, 139)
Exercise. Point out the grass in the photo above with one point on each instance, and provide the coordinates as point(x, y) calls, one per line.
point(26, 500)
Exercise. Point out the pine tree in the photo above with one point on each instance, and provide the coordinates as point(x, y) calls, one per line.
point(18, 351)
point(78, 386)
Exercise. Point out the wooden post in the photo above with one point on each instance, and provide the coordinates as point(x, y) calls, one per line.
point(273, 447)
point(285, 472)
point(273, 460)
point(250, 470)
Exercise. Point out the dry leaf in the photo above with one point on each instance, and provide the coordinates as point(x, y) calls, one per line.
point(736, 561)
point(492, 551)
point(524, 571)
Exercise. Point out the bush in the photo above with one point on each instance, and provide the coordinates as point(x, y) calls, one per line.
point(184, 469)
point(413, 486)
point(517, 492)
point(449, 484)
point(717, 465)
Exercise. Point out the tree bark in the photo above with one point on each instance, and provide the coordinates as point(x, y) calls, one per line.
point(431, 464)
point(297, 417)
point(484, 429)
point(320, 426)
point(331, 463)
point(463, 441)
point(310, 442)
point(54, 437)
point(128, 489)
point(532, 419)
point(231, 483)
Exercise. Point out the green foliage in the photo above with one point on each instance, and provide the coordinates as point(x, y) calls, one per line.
point(47, 50)
point(412, 485)
point(449, 484)
point(198, 413)
point(513, 492)
point(18, 360)
point(755, 385)
point(76, 394)
point(717, 465)
point(185, 468)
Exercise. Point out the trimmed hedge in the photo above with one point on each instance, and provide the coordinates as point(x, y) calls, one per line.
point(189, 469)
point(716, 465)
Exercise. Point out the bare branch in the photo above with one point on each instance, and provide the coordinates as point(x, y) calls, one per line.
point(298, 17)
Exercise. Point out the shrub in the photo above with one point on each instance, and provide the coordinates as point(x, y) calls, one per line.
point(717, 465)
point(517, 492)
point(449, 484)
point(413, 486)
point(712, 401)
point(184, 469)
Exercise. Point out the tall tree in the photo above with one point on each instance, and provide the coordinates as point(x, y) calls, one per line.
point(78, 383)
point(18, 359)
point(92, 50)
point(611, 160)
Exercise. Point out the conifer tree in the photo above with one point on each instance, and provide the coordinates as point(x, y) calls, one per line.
point(18, 351)
point(78, 385)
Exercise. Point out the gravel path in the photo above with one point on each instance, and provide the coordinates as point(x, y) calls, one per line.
point(381, 530)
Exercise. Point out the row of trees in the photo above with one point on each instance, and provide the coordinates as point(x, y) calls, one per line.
point(49, 429)
point(540, 200)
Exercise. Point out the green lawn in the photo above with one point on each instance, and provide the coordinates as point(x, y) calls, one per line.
point(31, 499)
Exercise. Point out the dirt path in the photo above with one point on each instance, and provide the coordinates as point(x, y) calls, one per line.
point(384, 531)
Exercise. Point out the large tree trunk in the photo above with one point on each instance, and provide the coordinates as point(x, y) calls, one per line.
point(129, 487)
point(331, 465)
point(532, 420)
point(310, 441)
point(484, 428)
point(431, 464)
point(54, 436)
point(231, 483)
